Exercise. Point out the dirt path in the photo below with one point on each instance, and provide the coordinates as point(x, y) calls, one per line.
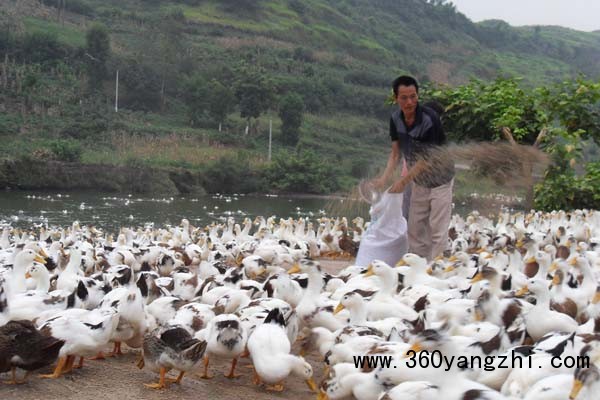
point(119, 378)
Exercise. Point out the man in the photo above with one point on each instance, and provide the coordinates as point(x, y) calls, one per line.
point(417, 134)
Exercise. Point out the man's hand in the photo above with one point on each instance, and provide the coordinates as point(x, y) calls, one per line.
point(398, 186)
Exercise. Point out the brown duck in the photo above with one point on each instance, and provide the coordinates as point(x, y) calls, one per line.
point(23, 346)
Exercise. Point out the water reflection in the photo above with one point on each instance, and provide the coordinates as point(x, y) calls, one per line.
point(109, 211)
point(21, 208)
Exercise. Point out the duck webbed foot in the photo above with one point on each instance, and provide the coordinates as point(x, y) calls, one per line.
point(116, 350)
point(13, 377)
point(232, 374)
point(99, 356)
point(256, 378)
point(161, 384)
point(206, 375)
point(58, 370)
point(177, 380)
point(275, 388)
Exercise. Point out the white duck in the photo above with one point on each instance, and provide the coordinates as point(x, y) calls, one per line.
point(540, 319)
point(270, 348)
point(226, 337)
point(315, 310)
point(85, 334)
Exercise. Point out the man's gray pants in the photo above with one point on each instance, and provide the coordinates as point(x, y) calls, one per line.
point(429, 219)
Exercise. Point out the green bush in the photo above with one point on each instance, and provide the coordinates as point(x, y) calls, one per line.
point(76, 6)
point(232, 174)
point(301, 172)
point(565, 191)
point(66, 150)
point(85, 128)
point(43, 48)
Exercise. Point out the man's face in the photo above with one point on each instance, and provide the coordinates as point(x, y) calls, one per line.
point(407, 99)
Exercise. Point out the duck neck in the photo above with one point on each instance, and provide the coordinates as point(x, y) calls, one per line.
point(42, 283)
point(588, 276)
point(543, 299)
point(315, 283)
point(542, 271)
point(358, 313)
point(389, 282)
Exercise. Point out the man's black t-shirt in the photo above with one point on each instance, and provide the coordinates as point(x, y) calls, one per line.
point(423, 140)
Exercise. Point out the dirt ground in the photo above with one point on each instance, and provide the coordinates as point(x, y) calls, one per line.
point(119, 378)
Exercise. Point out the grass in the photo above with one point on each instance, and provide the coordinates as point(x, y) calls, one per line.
point(173, 150)
point(66, 34)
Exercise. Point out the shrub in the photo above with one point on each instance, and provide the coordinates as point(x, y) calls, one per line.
point(301, 172)
point(290, 112)
point(66, 150)
point(84, 128)
point(231, 174)
point(43, 47)
point(565, 191)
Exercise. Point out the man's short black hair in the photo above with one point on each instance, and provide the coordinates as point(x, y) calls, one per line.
point(404, 80)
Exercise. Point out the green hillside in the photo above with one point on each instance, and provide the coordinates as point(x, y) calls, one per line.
point(178, 59)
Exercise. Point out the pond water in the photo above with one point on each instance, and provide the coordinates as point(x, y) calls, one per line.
point(112, 211)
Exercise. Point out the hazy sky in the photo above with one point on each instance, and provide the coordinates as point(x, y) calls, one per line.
point(583, 15)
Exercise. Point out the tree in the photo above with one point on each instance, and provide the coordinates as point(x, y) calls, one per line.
point(301, 171)
point(221, 101)
point(43, 48)
point(254, 92)
point(97, 53)
point(208, 99)
point(168, 35)
point(291, 111)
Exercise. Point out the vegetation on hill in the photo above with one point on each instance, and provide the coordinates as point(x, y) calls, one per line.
point(199, 81)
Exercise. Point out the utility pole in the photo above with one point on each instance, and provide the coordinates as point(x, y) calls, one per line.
point(270, 136)
point(117, 92)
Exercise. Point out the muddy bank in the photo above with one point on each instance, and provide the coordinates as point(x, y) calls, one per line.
point(56, 175)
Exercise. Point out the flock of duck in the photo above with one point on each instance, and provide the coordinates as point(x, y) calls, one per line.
point(519, 286)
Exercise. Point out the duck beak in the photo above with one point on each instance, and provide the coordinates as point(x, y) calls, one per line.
point(27, 275)
point(43, 253)
point(294, 270)
point(369, 271)
point(452, 258)
point(439, 258)
point(322, 395)
point(339, 308)
point(596, 298)
point(555, 280)
point(449, 268)
point(489, 256)
point(522, 292)
point(577, 385)
point(416, 347)
point(401, 263)
point(477, 278)
point(239, 259)
point(573, 262)
point(478, 316)
point(39, 259)
point(519, 243)
point(429, 271)
point(311, 384)
point(553, 267)
point(530, 260)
